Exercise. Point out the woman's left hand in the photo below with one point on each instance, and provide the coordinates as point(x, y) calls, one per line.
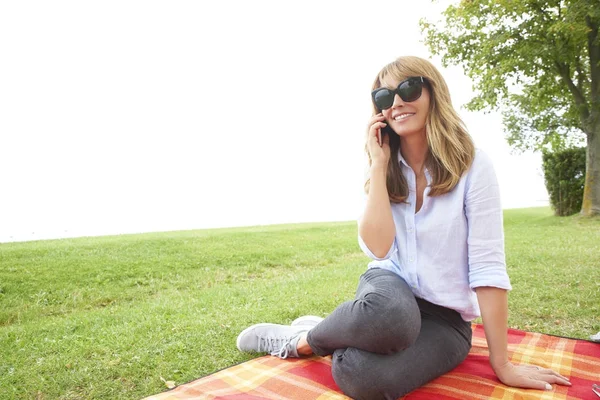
point(529, 376)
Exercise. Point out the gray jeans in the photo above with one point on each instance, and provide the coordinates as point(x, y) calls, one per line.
point(386, 343)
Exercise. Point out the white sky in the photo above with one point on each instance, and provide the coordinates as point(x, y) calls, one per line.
point(133, 116)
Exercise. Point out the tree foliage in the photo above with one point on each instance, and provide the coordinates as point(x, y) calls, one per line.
point(527, 59)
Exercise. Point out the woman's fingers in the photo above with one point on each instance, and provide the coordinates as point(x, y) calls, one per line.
point(545, 375)
point(377, 143)
point(553, 377)
point(376, 118)
point(550, 375)
point(530, 383)
point(375, 131)
point(530, 376)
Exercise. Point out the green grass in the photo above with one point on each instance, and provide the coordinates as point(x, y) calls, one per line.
point(108, 317)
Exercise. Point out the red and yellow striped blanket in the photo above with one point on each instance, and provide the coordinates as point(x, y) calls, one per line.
point(310, 378)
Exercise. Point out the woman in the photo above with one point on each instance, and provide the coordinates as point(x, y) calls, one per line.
point(433, 227)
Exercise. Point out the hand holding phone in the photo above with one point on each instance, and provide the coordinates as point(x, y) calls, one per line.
point(378, 139)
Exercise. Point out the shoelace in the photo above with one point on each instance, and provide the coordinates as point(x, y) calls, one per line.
point(284, 351)
point(276, 346)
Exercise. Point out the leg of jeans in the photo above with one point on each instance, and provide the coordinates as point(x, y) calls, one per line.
point(365, 375)
point(383, 318)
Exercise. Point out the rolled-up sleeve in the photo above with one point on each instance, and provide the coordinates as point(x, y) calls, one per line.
point(487, 262)
point(368, 252)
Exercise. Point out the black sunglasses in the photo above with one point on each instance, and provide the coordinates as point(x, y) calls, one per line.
point(409, 90)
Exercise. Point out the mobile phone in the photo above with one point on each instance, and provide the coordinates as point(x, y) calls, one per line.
point(385, 131)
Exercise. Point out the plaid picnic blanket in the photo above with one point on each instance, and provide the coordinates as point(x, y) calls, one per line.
point(310, 378)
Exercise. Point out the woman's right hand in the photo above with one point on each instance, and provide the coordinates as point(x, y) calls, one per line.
point(378, 144)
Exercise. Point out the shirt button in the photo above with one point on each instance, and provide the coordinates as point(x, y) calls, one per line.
point(410, 229)
point(411, 259)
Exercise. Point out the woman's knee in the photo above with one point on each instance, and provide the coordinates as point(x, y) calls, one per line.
point(396, 322)
point(392, 295)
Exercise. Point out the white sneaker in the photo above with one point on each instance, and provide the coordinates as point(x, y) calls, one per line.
point(307, 320)
point(277, 340)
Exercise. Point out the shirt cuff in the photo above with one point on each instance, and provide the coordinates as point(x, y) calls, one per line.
point(496, 278)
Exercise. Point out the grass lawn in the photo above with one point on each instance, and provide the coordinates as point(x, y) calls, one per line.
point(109, 317)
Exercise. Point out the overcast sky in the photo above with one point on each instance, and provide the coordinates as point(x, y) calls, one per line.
point(133, 116)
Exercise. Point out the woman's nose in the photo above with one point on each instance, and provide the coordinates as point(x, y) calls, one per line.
point(397, 101)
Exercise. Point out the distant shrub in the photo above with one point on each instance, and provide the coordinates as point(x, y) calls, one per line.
point(564, 174)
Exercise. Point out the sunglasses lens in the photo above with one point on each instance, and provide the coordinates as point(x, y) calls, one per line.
point(410, 90)
point(383, 98)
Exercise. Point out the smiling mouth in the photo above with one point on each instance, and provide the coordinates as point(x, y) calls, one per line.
point(403, 116)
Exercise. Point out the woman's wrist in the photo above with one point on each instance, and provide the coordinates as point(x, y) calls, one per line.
point(498, 363)
point(378, 167)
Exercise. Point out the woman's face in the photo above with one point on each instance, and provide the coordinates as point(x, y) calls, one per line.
point(403, 117)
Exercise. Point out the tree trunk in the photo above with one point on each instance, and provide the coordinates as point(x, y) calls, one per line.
point(591, 190)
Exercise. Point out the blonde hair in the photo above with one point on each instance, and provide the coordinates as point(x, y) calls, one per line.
point(451, 149)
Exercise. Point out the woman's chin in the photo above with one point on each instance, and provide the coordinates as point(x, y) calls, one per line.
point(406, 131)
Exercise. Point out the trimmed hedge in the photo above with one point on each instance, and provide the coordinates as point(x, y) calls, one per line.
point(564, 174)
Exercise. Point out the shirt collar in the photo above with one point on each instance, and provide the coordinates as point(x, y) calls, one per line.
point(401, 159)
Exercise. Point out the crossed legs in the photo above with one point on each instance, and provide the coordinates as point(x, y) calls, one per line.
point(386, 343)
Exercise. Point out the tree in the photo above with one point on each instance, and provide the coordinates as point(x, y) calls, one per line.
point(537, 61)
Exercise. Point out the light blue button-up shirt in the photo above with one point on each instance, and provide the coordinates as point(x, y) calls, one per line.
point(455, 242)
